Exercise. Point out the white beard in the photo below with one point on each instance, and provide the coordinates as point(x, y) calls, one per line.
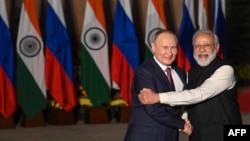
point(207, 61)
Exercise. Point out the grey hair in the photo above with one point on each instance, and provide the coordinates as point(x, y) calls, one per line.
point(205, 31)
point(160, 31)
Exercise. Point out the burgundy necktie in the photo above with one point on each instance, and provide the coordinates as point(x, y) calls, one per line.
point(169, 75)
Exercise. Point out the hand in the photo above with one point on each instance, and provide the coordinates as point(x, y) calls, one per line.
point(188, 128)
point(147, 96)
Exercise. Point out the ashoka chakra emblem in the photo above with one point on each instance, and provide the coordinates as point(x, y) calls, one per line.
point(94, 38)
point(30, 46)
point(151, 35)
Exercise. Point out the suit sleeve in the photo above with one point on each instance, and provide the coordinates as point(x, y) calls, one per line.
point(162, 113)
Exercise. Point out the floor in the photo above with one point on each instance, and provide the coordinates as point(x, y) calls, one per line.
point(113, 131)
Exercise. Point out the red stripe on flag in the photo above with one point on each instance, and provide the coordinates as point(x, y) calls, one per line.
point(7, 95)
point(64, 93)
point(182, 60)
point(122, 74)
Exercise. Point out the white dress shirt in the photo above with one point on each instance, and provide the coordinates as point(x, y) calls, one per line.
point(178, 84)
point(222, 79)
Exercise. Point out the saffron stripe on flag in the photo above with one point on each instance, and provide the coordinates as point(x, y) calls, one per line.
point(95, 72)
point(31, 95)
point(155, 21)
point(203, 17)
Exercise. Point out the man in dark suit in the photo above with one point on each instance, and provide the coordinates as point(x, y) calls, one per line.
point(158, 122)
point(212, 91)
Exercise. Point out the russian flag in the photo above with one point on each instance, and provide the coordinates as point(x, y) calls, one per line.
point(125, 50)
point(219, 7)
point(185, 50)
point(58, 57)
point(7, 84)
point(155, 20)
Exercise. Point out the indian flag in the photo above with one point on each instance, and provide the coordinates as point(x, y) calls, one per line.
point(95, 72)
point(31, 90)
point(155, 21)
point(203, 19)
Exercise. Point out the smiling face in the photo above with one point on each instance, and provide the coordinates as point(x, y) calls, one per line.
point(205, 48)
point(165, 48)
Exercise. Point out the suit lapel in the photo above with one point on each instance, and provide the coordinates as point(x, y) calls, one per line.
point(161, 74)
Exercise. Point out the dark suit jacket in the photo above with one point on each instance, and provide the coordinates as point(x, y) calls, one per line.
point(154, 122)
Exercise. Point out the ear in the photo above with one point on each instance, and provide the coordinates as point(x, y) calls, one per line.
point(217, 47)
point(153, 47)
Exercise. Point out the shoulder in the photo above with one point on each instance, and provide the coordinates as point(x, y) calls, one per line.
point(227, 69)
point(148, 65)
point(224, 66)
point(178, 69)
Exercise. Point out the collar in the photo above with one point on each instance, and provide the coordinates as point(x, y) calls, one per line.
point(163, 67)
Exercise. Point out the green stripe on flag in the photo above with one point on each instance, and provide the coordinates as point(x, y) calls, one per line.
point(29, 95)
point(93, 81)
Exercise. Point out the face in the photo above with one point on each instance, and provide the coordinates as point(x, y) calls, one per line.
point(205, 49)
point(165, 48)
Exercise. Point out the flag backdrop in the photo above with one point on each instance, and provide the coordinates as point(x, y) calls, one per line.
point(125, 51)
point(219, 7)
point(203, 17)
point(155, 21)
point(95, 72)
point(7, 84)
point(185, 52)
point(58, 57)
point(31, 90)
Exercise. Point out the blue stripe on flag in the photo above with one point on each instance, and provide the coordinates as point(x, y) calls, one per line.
point(220, 28)
point(186, 34)
point(125, 36)
point(6, 50)
point(60, 45)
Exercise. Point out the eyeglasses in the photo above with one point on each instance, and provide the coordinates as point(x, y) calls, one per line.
point(206, 46)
